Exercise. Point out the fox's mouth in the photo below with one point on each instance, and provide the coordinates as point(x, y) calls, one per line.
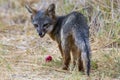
point(42, 35)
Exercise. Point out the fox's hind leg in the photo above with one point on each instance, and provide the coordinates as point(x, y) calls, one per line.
point(74, 56)
point(76, 53)
point(80, 62)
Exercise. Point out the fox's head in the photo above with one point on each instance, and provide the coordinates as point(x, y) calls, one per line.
point(43, 21)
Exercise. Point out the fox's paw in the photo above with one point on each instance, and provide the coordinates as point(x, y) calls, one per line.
point(65, 67)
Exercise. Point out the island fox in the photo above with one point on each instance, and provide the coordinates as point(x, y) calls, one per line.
point(71, 32)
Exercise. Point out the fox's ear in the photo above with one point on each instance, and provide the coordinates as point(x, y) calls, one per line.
point(51, 10)
point(30, 10)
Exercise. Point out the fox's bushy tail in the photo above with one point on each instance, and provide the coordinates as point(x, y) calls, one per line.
point(81, 35)
point(85, 53)
point(82, 41)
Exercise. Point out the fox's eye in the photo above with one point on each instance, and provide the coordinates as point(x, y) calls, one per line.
point(46, 25)
point(36, 25)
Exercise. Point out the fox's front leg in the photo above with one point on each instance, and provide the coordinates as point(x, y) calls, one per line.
point(60, 48)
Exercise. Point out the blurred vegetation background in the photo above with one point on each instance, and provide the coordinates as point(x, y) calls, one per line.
point(22, 51)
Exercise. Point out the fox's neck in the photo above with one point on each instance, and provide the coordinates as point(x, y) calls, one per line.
point(55, 33)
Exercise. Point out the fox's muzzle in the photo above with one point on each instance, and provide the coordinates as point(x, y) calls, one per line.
point(41, 34)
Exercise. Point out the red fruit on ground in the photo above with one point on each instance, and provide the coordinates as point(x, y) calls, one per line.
point(48, 58)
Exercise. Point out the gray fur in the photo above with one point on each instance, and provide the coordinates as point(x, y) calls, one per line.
point(71, 32)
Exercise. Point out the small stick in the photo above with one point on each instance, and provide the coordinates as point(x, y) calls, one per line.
point(59, 70)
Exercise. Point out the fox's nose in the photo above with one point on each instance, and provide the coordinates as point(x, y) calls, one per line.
point(40, 33)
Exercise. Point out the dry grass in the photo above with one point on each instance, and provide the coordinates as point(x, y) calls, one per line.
point(22, 52)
